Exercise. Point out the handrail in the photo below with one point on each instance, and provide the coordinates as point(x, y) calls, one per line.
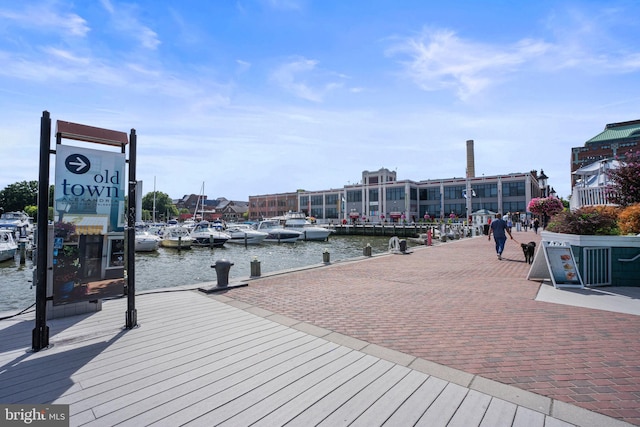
point(629, 259)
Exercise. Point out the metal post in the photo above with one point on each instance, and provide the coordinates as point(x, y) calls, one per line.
point(40, 334)
point(131, 315)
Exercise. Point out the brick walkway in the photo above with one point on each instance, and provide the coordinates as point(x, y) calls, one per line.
point(456, 304)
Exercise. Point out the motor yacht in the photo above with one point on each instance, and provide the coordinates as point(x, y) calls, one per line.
point(298, 221)
point(245, 234)
point(204, 234)
point(8, 245)
point(278, 234)
point(176, 237)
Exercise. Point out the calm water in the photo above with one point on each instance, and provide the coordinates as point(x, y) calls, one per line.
point(169, 267)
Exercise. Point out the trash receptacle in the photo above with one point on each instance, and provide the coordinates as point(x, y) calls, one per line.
point(222, 267)
point(485, 229)
point(403, 245)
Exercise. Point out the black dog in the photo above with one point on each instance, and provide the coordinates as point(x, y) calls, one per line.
point(529, 250)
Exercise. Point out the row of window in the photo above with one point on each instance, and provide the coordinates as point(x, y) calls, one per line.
point(456, 192)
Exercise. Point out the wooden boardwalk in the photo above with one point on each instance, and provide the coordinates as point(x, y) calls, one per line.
point(200, 360)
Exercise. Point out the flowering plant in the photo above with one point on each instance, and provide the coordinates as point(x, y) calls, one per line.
point(545, 206)
point(587, 221)
point(625, 189)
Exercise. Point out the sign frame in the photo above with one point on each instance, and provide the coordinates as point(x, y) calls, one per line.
point(561, 266)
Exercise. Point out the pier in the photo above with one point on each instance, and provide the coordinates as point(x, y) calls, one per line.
point(403, 230)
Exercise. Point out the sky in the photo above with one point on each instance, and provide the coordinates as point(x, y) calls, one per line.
point(254, 97)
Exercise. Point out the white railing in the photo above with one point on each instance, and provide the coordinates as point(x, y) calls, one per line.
point(596, 270)
point(588, 196)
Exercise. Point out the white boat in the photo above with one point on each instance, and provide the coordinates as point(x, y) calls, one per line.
point(204, 234)
point(278, 234)
point(19, 223)
point(298, 221)
point(146, 242)
point(245, 234)
point(176, 237)
point(8, 245)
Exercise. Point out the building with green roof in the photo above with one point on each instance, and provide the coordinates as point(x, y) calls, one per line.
point(613, 142)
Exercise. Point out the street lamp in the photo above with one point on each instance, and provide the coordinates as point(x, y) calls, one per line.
point(542, 182)
point(62, 207)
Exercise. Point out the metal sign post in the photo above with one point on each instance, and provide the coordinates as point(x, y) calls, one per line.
point(131, 320)
point(40, 335)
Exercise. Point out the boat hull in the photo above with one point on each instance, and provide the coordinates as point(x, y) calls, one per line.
point(314, 234)
point(7, 254)
point(146, 245)
point(184, 243)
point(215, 242)
point(282, 237)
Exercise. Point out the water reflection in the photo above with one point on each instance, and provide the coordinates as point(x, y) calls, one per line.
point(170, 267)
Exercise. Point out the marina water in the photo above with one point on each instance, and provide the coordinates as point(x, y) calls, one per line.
point(169, 267)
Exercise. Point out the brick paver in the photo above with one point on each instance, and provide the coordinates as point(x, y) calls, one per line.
point(458, 305)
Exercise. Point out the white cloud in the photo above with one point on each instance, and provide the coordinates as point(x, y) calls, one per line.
point(441, 60)
point(302, 78)
point(125, 21)
point(44, 17)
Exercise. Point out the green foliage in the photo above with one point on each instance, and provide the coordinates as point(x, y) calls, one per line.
point(164, 205)
point(587, 221)
point(32, 211)
point(16, 196)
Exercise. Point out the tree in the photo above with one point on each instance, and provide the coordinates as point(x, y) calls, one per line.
point(625, 187)
point(163, 204)
point(15, 197)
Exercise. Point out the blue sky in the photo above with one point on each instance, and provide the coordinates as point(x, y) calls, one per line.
point(265, 96)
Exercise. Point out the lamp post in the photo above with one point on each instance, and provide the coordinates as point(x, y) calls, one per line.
point(62, 207)
point(542, 182)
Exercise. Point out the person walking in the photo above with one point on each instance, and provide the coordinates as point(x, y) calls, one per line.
point(536, 224)
point(499, 229)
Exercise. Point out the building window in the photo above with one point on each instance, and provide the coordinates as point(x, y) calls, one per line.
point(413, 194)
point(354, 196)
point(331, 199)
point(430, 193)
point(332, 213)
point(486, 190)
point(453, 192)
point(373, 195)
point(395, 193)
point(510, 189)
point(513, 207)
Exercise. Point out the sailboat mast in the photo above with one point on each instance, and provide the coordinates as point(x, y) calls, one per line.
point(154, 199)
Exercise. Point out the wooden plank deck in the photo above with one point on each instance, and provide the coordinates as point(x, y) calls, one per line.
point(197, 361)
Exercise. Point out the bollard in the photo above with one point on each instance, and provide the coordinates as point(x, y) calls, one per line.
point(23, 253)
point(326, 256)
point(255, 267)
point(222, 272)
point(367, 250)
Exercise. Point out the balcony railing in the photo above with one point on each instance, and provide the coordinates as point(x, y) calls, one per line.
point(589, 196)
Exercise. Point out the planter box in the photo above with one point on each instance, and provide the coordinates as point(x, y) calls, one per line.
point(603, 260)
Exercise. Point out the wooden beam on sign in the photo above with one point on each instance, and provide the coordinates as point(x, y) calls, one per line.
point(86, 133)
